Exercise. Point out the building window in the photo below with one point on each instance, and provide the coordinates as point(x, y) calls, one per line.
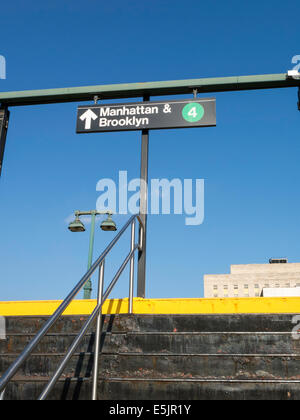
point(246, 286)
point(288, 285)
point(277, 285)
point(298, 285)
point(215, 287)
point(225, 287)
point(267, 286)
point(256, 286)
point(236, 287)
point(215, 295)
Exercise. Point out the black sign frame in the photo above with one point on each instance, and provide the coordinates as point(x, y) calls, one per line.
point(158, 115)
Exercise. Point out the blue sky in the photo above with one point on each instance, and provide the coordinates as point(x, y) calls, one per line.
point(250, 161)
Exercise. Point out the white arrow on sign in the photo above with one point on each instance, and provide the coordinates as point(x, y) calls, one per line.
point(88, 116)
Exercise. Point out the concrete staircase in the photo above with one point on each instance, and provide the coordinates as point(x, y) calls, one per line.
point(161, 357)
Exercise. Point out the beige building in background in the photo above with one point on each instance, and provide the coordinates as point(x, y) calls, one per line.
point(249, 280)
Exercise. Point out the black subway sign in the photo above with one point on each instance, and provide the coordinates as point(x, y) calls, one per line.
point(147, 115)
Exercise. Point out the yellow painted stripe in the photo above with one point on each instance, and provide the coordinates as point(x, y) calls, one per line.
point(158, 306)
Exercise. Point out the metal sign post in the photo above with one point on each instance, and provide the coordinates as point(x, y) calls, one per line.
point(141, 282)
point(4, 118)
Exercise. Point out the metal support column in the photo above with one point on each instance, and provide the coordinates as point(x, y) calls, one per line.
point(4, 118)
point(141, 287)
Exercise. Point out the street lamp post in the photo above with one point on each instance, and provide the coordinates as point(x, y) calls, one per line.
point(107, 225)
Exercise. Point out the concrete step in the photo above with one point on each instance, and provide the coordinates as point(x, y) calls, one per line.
point(164, 342)
point(212, 323)
point(44, 365)
point(194, 389)
point(208, 343)
point(158, 323)
point(29, 388)
point(51, 343)
point(32, 324)
point(184, 366)
point(156, 389)
point(164, 366)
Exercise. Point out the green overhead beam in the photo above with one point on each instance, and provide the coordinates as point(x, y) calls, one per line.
point(135, 90)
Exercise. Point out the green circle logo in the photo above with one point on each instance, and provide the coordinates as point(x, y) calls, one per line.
point(193, 112)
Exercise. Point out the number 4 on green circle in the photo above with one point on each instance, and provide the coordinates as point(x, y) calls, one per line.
point(193, 112)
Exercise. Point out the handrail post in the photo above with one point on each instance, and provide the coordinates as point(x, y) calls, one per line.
point(131, 277)
point(98, 332)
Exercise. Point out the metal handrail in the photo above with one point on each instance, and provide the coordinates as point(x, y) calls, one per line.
point(99, 263)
